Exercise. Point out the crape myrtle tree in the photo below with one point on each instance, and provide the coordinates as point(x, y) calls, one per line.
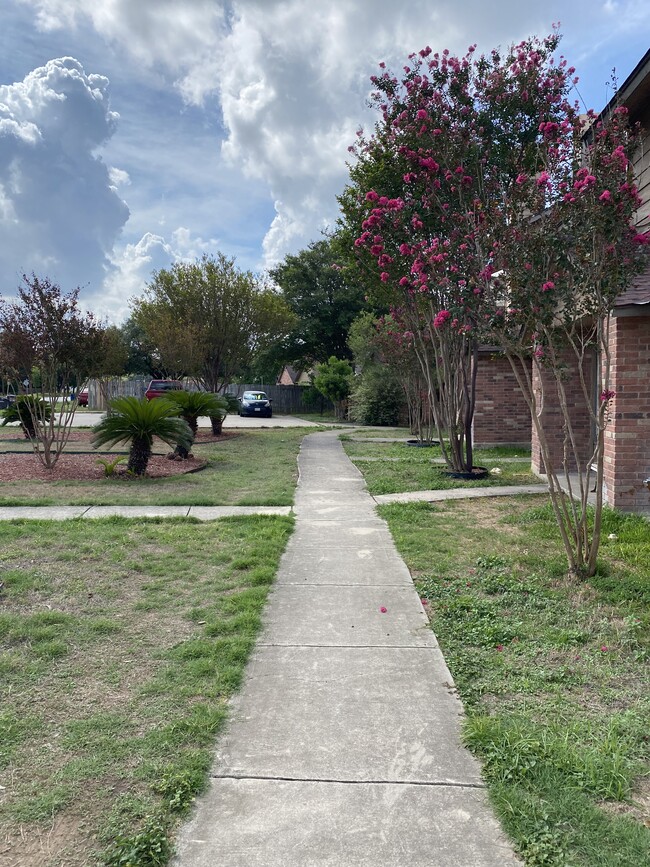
point(510, 227)
point(45, 331)
point(559, 276)
point(395, 342)
point(454, 133)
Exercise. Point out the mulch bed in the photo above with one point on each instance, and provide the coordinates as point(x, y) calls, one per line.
point(84, 467)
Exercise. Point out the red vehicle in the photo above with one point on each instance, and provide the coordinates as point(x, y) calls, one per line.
point(82, 397)
point(159, 387)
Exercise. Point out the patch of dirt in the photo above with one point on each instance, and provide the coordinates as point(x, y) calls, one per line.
point(38, 847)
point(638, 806)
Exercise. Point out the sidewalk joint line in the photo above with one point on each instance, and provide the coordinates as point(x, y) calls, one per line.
point(439, 784)
point(357, 646)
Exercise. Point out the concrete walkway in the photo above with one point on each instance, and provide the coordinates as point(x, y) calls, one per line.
point(343, 746)
point(202, 513)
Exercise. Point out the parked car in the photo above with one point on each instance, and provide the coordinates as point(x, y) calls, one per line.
point(158, 387)
point(7, 400)
point(255, 403)
point(82, 397)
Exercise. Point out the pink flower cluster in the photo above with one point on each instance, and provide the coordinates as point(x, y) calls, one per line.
point(441, 318)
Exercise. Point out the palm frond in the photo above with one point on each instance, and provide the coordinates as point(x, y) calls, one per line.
point(133, 418)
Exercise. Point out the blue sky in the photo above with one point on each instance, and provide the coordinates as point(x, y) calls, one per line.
point(178, 127)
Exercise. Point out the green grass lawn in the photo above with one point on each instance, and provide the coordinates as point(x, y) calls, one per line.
point(255, 467)
point(121, 643)
point(392, 468)
point(554, 675)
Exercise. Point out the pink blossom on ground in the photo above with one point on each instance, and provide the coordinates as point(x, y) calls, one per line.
point(383, 610)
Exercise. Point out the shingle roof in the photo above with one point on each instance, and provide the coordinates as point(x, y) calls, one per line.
point(638, 293)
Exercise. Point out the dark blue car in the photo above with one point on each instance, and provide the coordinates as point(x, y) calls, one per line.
point(255, 403)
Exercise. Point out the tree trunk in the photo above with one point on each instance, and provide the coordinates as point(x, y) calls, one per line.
point(139, 456)
point(217, 425)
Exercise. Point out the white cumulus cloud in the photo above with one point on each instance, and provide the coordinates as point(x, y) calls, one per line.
point(281, 84)
point(59, 213)
point(182, 37)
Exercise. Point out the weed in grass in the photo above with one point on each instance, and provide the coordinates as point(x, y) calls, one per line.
point(178, 786)
point(110, 466)
point(148, 847)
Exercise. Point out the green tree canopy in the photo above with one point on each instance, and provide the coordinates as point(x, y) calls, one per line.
point(334, 380)
point(209, 319)
point(325, 297)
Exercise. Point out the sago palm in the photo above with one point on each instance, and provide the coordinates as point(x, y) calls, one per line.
point(137, 421)
point(193, 404)
point(29, 409)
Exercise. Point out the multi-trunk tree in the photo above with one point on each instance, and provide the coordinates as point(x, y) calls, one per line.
point(45, 333)
point(490, 215)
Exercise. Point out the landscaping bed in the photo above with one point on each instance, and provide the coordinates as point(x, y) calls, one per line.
point(80, 461)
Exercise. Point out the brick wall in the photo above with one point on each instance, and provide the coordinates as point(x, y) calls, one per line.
point(553, 422)
point(627, 436)
point(501, 415)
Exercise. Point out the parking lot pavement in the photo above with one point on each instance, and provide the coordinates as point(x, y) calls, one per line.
point(88, 419)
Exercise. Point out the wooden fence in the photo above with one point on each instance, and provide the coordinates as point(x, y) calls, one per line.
point(287, 399)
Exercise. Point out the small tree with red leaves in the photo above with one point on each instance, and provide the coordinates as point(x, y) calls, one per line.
point(44, 330)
